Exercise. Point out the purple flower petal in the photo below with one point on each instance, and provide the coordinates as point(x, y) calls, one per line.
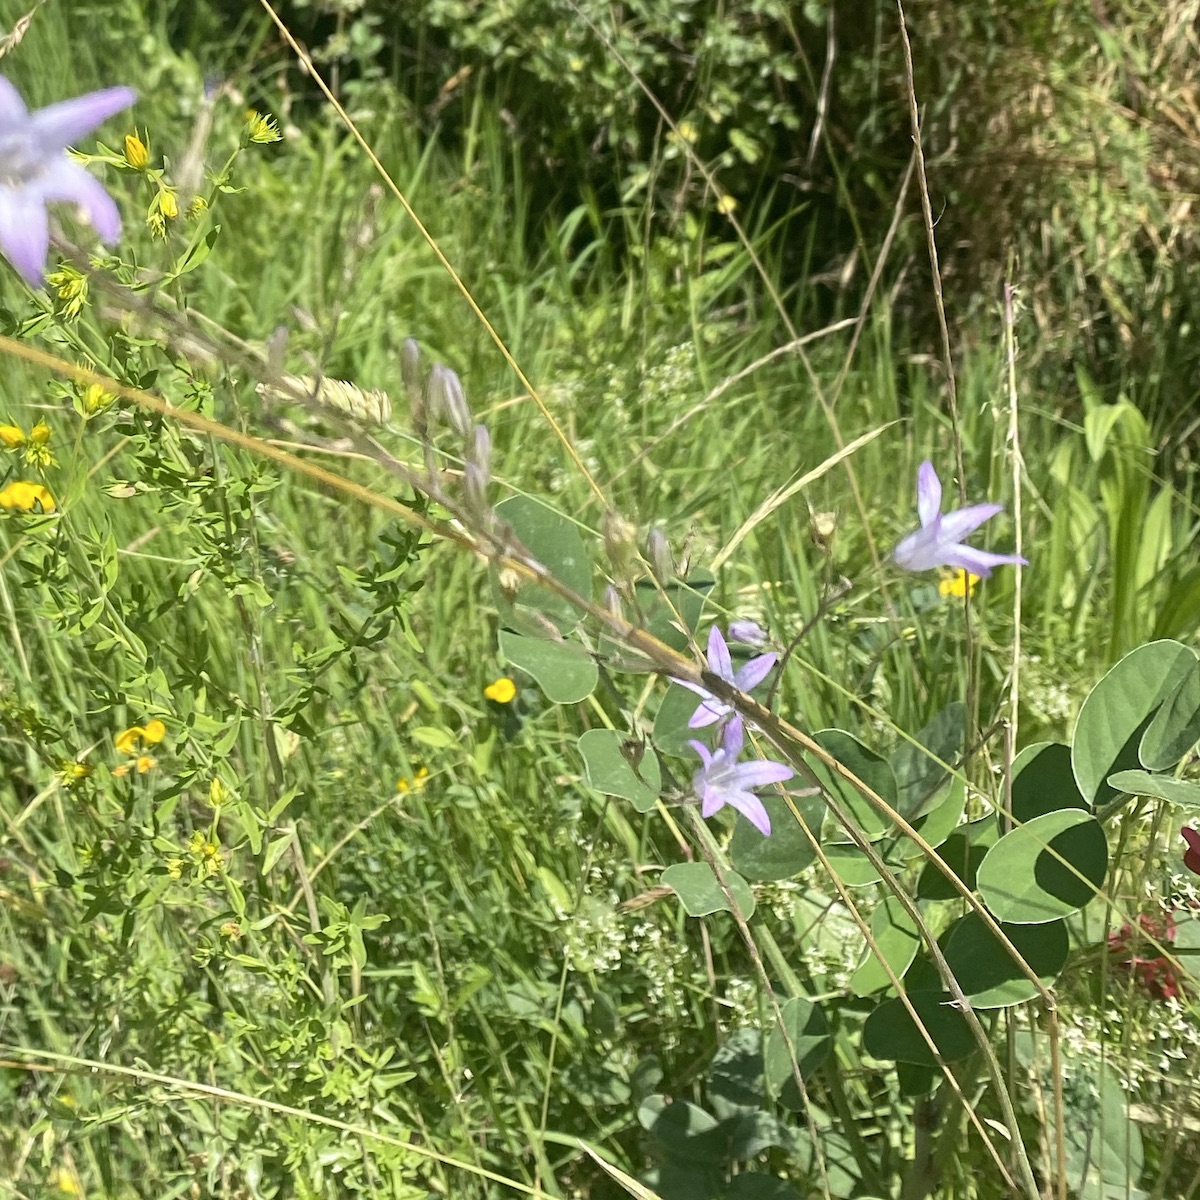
point(719, 662)
point(702, 750)
point(958, 524)
point(67, 181)
point(929, 493)
point(24, 233)
point(732, 740)
point(748, 633)
point(754, 672)
point(60, 125)
point(979, 562)
point(12, 107)
point(755, 774)
point(753, 809)
point(709, 713)
point(920, 550)
point(692, 687)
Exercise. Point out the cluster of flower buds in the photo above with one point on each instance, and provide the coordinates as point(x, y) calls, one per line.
point(435, 401)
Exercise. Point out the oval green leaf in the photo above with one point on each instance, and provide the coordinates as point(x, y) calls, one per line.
point(788, 850)
point(564, 671)
point(1044, 781)
point(808, 1032)
point(890, 1033)
point(1046, 869)
point(1119, 710)
point(1141, 783)
point(868, 766)
point(700, 893)
point(986, 970)
point(897, 939)
point(621, 766)
point(554, 541)
point(1175, 728)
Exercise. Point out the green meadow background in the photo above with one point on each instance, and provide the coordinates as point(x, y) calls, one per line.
point(379, 924)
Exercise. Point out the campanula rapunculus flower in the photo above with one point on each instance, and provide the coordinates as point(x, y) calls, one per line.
point(723, 780)
point(720, 664)
point(35, 171)
point(938, 543)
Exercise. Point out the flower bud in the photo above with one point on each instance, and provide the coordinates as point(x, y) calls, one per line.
point(136, 154)
point(475, 485)
point(481, 452)
point(658, 550)
point(612, 603)
point(410, 373)
point(451, 402)
point(748, 633)
point(620, 540)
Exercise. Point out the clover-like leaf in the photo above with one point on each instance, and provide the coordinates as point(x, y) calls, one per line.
point(565, 671)
point(609, 758)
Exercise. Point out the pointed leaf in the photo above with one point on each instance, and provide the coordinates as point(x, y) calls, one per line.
point(700, 892)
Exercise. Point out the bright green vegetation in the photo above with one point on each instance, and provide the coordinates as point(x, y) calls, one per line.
point(263, 966)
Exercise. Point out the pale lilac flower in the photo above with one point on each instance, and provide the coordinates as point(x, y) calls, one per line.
point(35, 171)
point(721, 665)
point(938, 543)
point(748, 633)
point(723, 780)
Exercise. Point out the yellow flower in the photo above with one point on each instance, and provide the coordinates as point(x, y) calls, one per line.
point(72, 771)
point(503, 691)
point(262, 128)
point(688, 132)
point(136, 153)
point(127, 740)
point(22, 495)
point(37, 451)
point(40, 433)
point(145, 763)
point(726, 205)
point(11, 436)
point(72, 289)
point(154, 732)
point(218, 793)
point(168, 205)
point(175, 867)
point(95, 399)
point(420, 776)
point(957, 583)
point(197, 207)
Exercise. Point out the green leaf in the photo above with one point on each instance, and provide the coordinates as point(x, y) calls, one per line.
point(610, 770)
point(433, 737)
point(565, 671)
point(942, 818)
point(671, 733)
point(853, 867)
point(554, 541)
point(1175, 728)
point(700, 893)
point(684, 601)
point(869, 767)
point(962, 852)
point(918, 775)
point(896, 936)
point(808, 1032)
point(1183, 792)
point(193, 257)
point(985, 969)
point(1117, 712)
point(681, 1130)
point(890, 1033)
point(788, 850)
point(1023, 878)
point(1043, 782)
point(275, 850)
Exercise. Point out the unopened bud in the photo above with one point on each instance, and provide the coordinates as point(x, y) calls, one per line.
point(481, 452)
point(451, 401)
point(658, 550)
point(475, 485)
point(619, 542)
point(410, 373)
point(748, 633)
point(136, 154)
point(612, 603)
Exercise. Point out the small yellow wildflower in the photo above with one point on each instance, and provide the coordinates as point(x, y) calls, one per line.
point(503, 691)
point(71, 287)
point(119, 772)
point(145, 762)
point(957, 583)
point(127, 740)
point(262, 128)
point(40, 433)
point(726, 205)
point(95, 399)
point(72, 771)
point(197, 208)
point(231, 929)
point(175, 867)
point(11, 436)
point(154, 732)
point(420, 776)
point(168, 204)
point(688, 132)
point(136, 153)
point(206, 854)
point(22, 494)
point(218, 793)
point(37, 450)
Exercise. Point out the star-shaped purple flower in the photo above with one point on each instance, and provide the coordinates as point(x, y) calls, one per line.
point(723, 780)
point(720, 664)
point(938, 543)
point(35, 172)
